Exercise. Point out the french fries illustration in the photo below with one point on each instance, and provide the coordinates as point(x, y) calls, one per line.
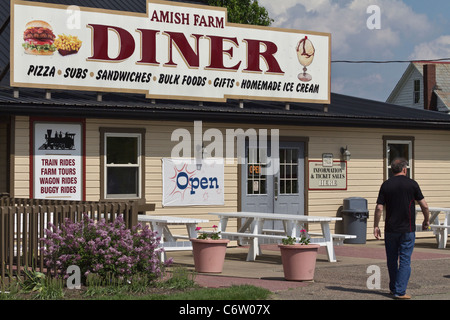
point(67, 44)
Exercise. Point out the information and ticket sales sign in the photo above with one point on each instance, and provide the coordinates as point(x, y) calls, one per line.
point(326, 177)
point(174, 50)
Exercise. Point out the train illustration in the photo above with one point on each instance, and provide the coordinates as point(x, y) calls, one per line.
point(59, 141)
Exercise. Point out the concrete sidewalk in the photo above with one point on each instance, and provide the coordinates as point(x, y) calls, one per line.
point(345, 279)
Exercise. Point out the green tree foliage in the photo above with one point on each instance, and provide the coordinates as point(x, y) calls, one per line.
point(244, 11)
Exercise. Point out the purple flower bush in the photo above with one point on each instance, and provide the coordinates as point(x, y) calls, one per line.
point(105, 249)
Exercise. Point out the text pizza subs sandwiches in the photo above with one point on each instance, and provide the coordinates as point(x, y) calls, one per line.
point(39, 38)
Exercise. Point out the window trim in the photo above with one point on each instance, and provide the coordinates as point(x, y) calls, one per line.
point(123, 132)
point(291, 179)
point(415, 91)
point(260, 178)
point(398, 140)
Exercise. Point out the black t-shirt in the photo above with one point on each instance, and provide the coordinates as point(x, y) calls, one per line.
point(398, 194)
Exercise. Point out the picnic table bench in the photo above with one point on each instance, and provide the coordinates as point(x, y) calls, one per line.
point(440, 229)
point(252, 228)
point(338, 239)
point(169, 241)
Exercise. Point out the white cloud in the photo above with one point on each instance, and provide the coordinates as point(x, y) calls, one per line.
point(403, 30)
point(341, 84)
point(435, 49)
point(346, 21)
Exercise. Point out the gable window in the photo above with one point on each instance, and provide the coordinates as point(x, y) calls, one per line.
point(122, 164)
point(401, 148)
point(417, 91)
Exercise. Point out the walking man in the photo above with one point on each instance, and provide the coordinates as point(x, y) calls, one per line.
point(398, 195)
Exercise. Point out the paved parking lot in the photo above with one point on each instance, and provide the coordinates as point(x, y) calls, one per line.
point(350, 278)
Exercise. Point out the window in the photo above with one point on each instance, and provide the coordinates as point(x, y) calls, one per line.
point(399, 149)
point(256, 166)
point(417, 91)
point(122, 173)
point(288, 171)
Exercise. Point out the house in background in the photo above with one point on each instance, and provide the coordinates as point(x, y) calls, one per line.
point(424, 85)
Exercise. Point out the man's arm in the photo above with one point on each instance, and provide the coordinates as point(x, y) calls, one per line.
point(426, 213)
point(377, 217)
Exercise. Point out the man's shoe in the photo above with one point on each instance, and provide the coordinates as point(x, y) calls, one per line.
point(404, 297)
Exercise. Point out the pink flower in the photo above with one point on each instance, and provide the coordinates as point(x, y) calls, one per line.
point(215, 227)
point(198, 229)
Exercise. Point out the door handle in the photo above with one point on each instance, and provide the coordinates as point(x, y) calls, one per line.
point(275, 188)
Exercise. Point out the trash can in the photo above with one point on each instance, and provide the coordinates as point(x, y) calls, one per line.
point(355, 214)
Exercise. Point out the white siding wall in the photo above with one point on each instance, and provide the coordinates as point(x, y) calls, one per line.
point(22, 158)
point(365, 169)
point(3, 157)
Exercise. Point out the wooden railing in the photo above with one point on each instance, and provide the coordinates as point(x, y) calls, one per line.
point(22, 224)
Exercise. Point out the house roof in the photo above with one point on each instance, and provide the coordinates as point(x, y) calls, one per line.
point(343, 110)
point(442, 89)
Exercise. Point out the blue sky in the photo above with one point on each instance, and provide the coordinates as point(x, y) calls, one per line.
point(409, 30)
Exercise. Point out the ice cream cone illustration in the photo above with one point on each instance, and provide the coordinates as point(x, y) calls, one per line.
point(305, 54)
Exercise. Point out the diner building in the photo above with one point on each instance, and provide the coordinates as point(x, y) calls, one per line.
point(192, 156)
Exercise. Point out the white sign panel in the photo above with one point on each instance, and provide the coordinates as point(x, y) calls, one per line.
point(186, 183)
point(175, 50)
point(324, 177)
point(57, 161)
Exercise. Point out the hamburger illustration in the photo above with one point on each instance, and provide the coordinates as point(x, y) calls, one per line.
point(38, 38)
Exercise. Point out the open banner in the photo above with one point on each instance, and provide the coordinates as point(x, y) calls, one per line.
point(187, 183)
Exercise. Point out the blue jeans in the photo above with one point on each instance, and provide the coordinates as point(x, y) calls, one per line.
point(399, 248)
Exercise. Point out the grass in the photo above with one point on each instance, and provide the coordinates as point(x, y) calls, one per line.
point(180, 285)
point(241, 292)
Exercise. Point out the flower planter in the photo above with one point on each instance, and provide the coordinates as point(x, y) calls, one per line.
point(209, 255)
point(299, 261)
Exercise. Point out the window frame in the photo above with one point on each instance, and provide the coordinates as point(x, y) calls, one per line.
point(251, 177)
point(122, 132)
point(289, 180)
point(416, 93)
point(398, 140)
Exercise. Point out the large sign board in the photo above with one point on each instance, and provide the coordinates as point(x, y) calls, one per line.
point(173, 51)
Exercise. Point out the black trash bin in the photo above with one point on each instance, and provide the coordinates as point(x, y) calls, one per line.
point(355, 214)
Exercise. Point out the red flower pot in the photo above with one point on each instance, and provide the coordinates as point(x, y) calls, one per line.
point(299, 261)
point(209, 255)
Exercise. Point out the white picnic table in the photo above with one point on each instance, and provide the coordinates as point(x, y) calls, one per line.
point(440, 229)
point(252, 228)
point(169, 241)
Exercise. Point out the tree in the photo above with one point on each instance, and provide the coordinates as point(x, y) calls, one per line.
point(244, 11)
